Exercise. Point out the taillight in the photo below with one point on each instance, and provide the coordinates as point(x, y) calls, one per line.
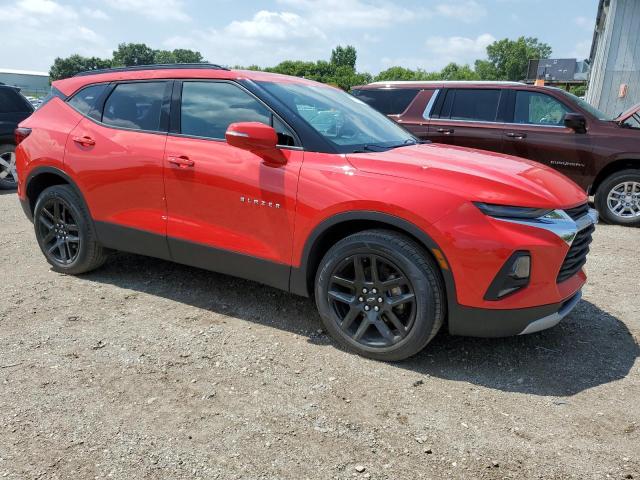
point(20, 134)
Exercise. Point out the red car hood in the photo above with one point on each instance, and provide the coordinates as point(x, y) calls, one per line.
point(628, 113)
point(476, 175)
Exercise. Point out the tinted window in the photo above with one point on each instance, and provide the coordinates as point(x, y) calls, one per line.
point(85, 100)
point(135, 105)
point(342, 119)
point(11, 101)
point(538, 109)
point(389, 102)
point(471, 104)
point(208, 108)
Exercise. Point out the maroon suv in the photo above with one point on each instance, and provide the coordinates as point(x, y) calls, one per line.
point(545, 124)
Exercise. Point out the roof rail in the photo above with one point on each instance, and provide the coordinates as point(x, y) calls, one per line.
point(159, 66)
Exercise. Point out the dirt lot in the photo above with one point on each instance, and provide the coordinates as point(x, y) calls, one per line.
point(146, 369)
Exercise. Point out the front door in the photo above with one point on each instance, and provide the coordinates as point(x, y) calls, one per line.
point(538, 133)
point(227, 210)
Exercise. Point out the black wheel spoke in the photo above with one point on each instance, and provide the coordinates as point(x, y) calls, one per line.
point(372, 300)
point(72, 227)
point(400, 299)
point(359, 269)
point(343, 282)
point(392, 317)
point(342, 297)
point(349, 318)
point(45, 221)
point(384, 331)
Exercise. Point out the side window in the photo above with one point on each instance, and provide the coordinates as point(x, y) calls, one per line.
point(208, 108)
point(538, 109)
point(285, 136)
point(135, 105)
point(85, 100)
point(388, 101)
point(471, 104)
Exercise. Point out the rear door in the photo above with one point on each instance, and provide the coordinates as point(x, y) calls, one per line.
point(468, 117)
point(228, 210)
point(536, 131)
point(116, 156)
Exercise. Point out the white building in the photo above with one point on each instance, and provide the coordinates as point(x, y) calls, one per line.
point(29, 82)
point(614, 82)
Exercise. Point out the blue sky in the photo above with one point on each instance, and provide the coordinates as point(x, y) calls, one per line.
point(427, 34)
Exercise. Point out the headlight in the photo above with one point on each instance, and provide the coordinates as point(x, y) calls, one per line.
point(504, 211)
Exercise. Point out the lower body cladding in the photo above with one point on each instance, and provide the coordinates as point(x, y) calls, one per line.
point(480, 322)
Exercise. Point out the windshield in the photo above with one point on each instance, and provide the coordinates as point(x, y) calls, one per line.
point(587, 106)
point(346, 122)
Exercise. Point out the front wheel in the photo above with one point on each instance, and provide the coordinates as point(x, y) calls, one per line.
point(380, 294)
point(618, 198)
point(65, 232)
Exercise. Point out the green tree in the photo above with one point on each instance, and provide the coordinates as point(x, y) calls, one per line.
point(183, 55)
point(485, 70)
point(68, 67)
point(399, 73)
point(453, 71)
point(510, 58)
point(129, 54)
point(164, 56)
point(344, 56)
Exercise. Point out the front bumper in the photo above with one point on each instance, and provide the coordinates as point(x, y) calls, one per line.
point(481, 322)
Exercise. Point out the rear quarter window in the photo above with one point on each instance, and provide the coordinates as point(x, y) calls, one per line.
point(388, 101)
point(85, 100)
point(472, 104)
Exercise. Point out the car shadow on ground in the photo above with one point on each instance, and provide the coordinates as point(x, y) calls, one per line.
point(589, 348)
point(7, 192)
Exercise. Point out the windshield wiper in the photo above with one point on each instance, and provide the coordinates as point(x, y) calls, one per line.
point(372, 147)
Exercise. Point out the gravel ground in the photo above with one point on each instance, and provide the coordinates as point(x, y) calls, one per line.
point(146, 369)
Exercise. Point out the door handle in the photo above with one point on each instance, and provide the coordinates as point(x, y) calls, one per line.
point(181, 161)
point(85, 141)
point(517, 136)
point(446, 131)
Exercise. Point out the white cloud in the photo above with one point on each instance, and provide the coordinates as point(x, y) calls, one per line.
point(273, 26)
point(160, 10)
point(468, 12)
point(96, 14)
point(440, 51)
point(48, 29)
point(354, 13)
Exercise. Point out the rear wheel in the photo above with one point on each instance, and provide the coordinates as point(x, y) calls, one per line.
point(65, 232)
point(618, 198)
point(380, 294)
point(8, 177)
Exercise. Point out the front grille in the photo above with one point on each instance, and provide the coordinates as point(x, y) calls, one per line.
point(579, 211)
point(577, 254)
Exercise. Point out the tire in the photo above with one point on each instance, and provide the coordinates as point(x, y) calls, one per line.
point(406, 274)
point(624, 181)
point(65, 231)
point(8, 178)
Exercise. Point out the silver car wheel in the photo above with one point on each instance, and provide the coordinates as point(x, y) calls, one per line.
point(624, 200)
point(8, 167)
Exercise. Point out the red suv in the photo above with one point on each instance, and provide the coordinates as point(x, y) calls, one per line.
point(303, 187)
point(545, 124)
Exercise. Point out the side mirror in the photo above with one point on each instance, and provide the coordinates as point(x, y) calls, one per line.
point(576, 122)
point(253, 136)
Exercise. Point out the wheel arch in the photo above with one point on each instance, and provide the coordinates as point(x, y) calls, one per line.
point(44, 177)
point(629, 161)
point(341, 225)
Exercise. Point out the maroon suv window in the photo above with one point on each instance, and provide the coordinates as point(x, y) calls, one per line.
point(473, 104)
point(388, 101)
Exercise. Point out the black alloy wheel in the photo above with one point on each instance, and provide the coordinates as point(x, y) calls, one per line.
point(380, 294)
point(372, 299)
